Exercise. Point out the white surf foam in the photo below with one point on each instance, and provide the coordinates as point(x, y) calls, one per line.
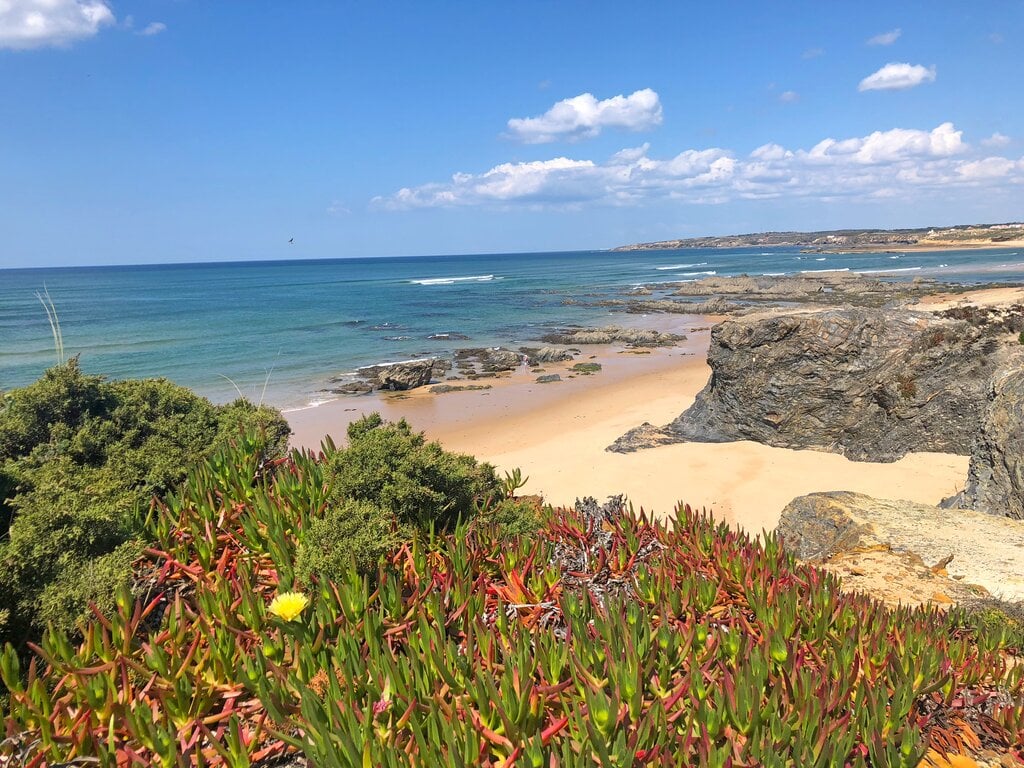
point(888, 271)
point(683, 266)
point(452, 281)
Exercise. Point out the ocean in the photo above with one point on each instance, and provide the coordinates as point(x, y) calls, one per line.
point(278, 331)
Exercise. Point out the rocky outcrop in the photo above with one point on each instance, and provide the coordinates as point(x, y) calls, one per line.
point(995, 480)
point(645, 436)
point(537, 356)
point(613, 334)
point(714, 306)
point(870, 384)
point(826, 288)
point(406, 375)
point(985, 550)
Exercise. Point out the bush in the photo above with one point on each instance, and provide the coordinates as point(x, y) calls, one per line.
point(80, 459)
point(415, 481)
point(352, 533)
point(388, 485)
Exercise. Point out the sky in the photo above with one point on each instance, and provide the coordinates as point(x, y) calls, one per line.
point(143, 131)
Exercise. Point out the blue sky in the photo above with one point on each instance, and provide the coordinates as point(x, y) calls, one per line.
point(180, 130)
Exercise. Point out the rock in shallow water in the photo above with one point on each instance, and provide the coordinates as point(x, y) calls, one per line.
point(407, 375)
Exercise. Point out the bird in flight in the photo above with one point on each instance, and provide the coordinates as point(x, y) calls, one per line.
point(291, 240)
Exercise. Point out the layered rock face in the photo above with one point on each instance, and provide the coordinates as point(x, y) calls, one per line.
point(995, 480)
point(968, 545)
point(871, 384)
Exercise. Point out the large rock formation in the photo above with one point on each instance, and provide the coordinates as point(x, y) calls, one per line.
point(985, 550)
point(406, 375)
point(995, 481)
point(871, 384)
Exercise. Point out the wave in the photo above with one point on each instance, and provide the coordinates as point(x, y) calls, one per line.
point(683, 266)
point(888, 271)
point(452, 280)
point(695, 274)
point(894, 257)
point(822, 258)
point(316, 402)
point(773, 274)
point(815, 271)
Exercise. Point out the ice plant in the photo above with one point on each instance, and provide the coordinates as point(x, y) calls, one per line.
point(288, 605)
point(605, 638)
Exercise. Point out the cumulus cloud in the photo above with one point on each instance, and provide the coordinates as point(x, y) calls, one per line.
point(40, 23)
point(789, 97)
point(153, 28)
point(886, 38)
point(996, 140)
point(897, 76)
point(584, 116)
point(879, 165)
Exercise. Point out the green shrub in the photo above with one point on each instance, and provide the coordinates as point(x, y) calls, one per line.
point(417, 482)
point(351, 533)
point(80, 459)
point(1020, 337)
point(388, 485)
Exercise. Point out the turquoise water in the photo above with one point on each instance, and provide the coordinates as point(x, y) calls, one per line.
point(295, 324)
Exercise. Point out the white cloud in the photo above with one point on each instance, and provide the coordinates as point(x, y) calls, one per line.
point(789, 97)
point(886, 38)
point(153, 28)
point(988, 168)
point(40, 23)
point(996, 140)
point(896, 163)
point(584, 116)
point(896, 77)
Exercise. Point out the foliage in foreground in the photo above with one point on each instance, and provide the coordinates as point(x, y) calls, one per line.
point(604, 639)
point(80, 457)
point(386, 486)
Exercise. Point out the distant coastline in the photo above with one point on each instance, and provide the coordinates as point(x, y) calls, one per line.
point(960, 237)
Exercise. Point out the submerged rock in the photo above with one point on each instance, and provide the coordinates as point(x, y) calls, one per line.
point(870, 384)
point(995, 480)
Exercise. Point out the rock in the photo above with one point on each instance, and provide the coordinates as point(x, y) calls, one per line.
point(985, 549)
point(406, 375)
point(353, 388)
point(587, 368)
point(488, 359)
point(871, 384)
point(537, 356)
point(995, 480)
point(440, 389)
point(824, 288)
point(645, 436)
point(715, 306)
point(548, 378)
point(613, 334)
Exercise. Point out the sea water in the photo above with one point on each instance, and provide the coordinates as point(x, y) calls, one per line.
point(279, 331)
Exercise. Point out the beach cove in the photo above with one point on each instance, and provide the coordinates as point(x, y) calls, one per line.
point(556, 434)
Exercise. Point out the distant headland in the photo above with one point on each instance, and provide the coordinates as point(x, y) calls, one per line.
point(1007, 235)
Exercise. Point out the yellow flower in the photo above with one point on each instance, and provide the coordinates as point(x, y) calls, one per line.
point(288, 605)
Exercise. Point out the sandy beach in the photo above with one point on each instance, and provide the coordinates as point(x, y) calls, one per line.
point(557, 433)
